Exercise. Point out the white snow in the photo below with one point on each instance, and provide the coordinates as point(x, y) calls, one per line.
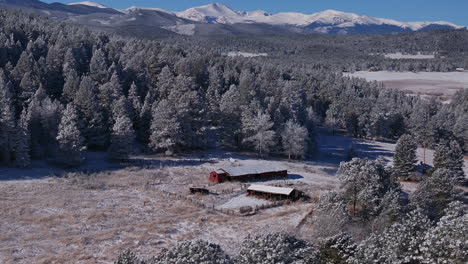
point(243, 200)
point(461, 77)
point(89, 3)
point(245, 54)
point(219, 13)
point(442, 85)
point(419, 56)
point(188, 29)
point(136, 8)
point(270, 189)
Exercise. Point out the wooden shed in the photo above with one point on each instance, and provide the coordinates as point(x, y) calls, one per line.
point(272, 192)
point(246, 173)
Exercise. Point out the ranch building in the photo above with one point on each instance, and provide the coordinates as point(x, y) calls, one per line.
point(246, 173)
point(272, 192)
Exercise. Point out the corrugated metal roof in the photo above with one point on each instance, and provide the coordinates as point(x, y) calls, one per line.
point(270, 189)
point(252, 169)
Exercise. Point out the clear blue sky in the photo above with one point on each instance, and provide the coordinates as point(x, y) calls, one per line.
point(455, 11)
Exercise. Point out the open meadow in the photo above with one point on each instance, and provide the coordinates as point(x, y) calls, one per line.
point(89, 217)
point(442, 85)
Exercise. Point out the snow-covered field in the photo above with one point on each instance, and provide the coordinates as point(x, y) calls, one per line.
point(146, 205)
point(419, 56)
point(439, 84)
point(245, 54)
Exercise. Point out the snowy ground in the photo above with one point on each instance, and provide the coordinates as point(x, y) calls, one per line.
point(243, 200)
point(146, 205)
point(245, 54)
point(440, 84)
point(419, 56)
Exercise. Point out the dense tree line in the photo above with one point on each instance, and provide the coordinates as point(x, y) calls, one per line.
point(65, 88)
point(351, 52)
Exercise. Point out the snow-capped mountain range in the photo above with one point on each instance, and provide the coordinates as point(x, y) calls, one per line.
point(220, 19)
point(219, 13)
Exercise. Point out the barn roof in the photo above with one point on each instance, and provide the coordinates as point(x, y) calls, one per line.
point(270, 189)
point(251, 169)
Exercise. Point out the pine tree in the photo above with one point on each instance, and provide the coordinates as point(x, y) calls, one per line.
point(231, 112)
point(135, 100)
point(397, 244)
point(87, 103)
point(165, 82)
point(277, 248)
point(71, 86)
point(193, 252)
point(257, 131)
point(405, 157)
point(23, 140)
point(434, 193)
point(448, 155)
point(365, 183)
point(127, 257)
point(98, 67)
point(294, 139)
point(165, 128)
point(122, 139)
point(71, 143)
point(7, 122)
point(447, 242)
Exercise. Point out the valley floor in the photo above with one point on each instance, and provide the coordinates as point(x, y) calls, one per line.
point(146, 206)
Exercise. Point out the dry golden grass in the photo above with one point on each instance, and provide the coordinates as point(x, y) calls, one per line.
point(91, 218)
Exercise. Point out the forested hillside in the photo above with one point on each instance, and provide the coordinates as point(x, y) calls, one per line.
point(66, 88)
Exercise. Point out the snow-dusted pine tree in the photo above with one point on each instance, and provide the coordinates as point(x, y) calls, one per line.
point(448, 242)
point(165, 130)
point(71, 143)
point(449, 155)
point(277, 248)
point(258, 131)
point(365, 182)
point(23, 141)
point(434, 193)
point(122, 139)
point(294, 139)
point(193, 252)
point(397, 244)
point(405, 157)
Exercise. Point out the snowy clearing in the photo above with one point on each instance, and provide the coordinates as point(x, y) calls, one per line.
point(243, 200)
point(146, 205)
point(245, 54)
point(419, 56)
point(426, 84)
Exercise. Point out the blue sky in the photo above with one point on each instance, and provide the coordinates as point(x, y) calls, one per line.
point(455, 11)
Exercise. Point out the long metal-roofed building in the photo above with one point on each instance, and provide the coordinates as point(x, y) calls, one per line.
point(248, 172)
point(272, 192)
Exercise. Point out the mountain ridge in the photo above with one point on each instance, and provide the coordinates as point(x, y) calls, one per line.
point(218, 18)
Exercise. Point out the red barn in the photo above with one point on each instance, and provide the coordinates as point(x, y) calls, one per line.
point(245, 173)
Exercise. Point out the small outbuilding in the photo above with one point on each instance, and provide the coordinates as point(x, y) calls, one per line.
point(200, 190)
point(245, 173)
point(272, 192)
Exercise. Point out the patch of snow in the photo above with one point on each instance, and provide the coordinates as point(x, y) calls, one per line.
point(461, 77)
point(245, 54)
point(243, 200)
point(137, 8)
point(399, 55)
point(89, 3)
point(187, 29)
